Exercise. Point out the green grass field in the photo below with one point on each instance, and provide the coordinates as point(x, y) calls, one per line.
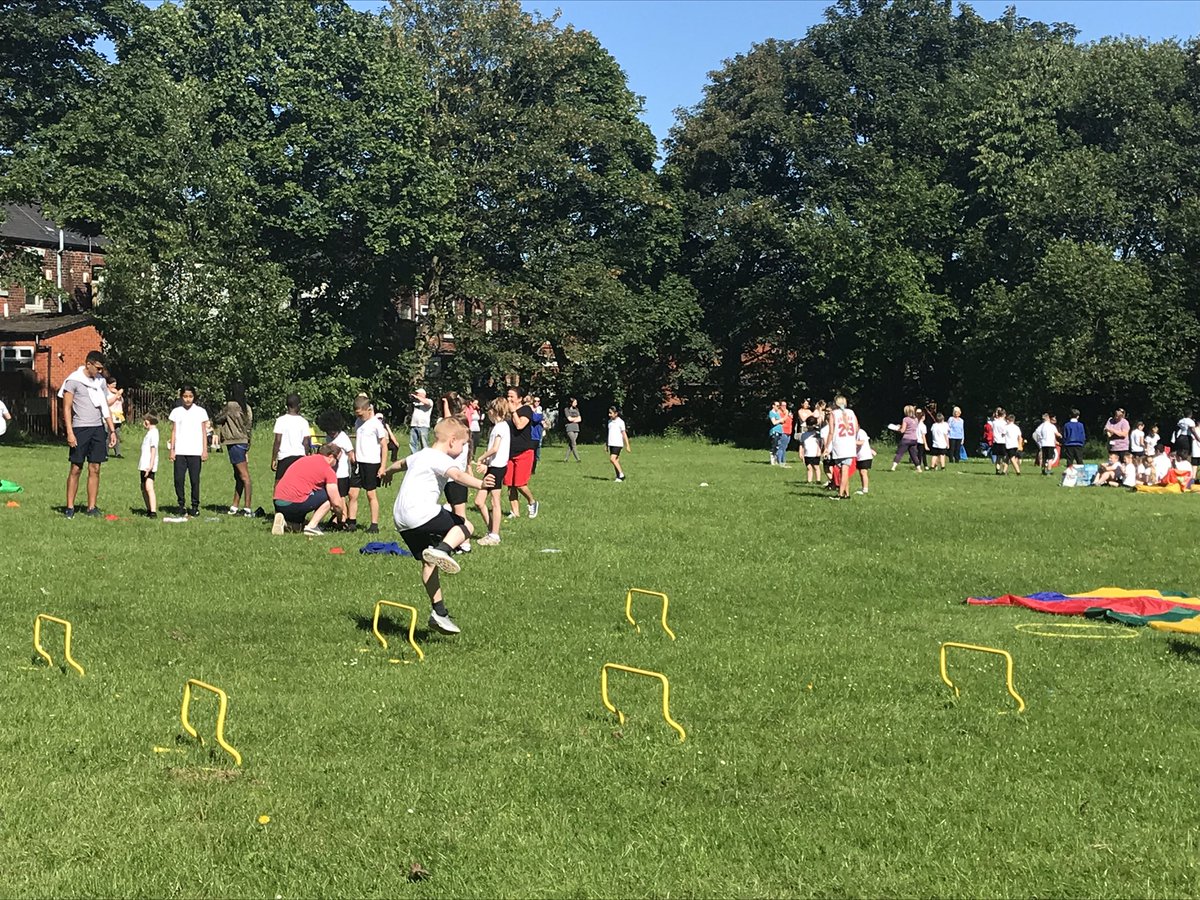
point(823, 755)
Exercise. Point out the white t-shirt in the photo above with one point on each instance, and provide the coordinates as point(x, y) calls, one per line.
point(367, 435)
point(149, 442)
point(191, 430)
point(1137, 441)
point(420, 414)
point(864, 451)
point(843, 426)
point(940, 433)
point(292, 431)
point(1151, 444)
point(1012, 436)
point(473, 417)
point(341, 439)
point(999, 427)
point(3, 421)
point(1044, 435)
point(922, 431)
point(420, 497)
point(1183, 426)
point(1183, 466)
point(811, 442)
point(502, 431)
point(616, 432)
point(1130, 478)
point(1161, 466)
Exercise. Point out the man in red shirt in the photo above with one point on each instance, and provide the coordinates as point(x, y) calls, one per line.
point(308, 486)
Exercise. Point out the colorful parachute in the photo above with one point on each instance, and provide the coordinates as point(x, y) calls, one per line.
point(1167, 611)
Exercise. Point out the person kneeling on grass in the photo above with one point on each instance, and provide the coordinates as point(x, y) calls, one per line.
point(432, 532)
point(309, 485)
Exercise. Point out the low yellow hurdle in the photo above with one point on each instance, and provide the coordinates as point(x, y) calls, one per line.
point(1008, 675)
point(666, 697)
point(412, 625)
point(37, 640)
point(222, 701)
point(629, 609)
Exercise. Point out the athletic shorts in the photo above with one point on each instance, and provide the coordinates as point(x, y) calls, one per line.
point(520, 467)
point(842, 461)
point(368, 476)
point(1012, 453)
point(283, 465)
point(938, 451)
point(864, 465)
point(295, 512)
point(812, 460)
point(614, 451)
point(91, 445)
point(344, 486)
point(432, 532)
point(498, 473)
point(145, 476)
point(455, 493)
point(237, 453)
point(1000, 451)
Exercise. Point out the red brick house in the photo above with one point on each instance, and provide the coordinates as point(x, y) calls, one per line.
point(45, 335)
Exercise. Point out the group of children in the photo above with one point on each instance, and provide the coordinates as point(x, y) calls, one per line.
point(827, 460)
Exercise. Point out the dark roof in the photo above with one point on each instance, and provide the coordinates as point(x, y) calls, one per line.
point(24, 224)
point(27, 326)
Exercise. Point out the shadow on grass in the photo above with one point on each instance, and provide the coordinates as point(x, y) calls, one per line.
point(389, 627)
point(1184, 649)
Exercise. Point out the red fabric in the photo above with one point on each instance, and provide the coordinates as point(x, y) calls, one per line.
point(1139, 606)
point(304, 476)
point(836, 472)
point(520, 467)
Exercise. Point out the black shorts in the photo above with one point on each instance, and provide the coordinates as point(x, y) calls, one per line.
point(498, 473)
point(864, 465)
point(368, 476)
point(938, 451)
point(1000, 451)
point(91, 445)
point(455, 493)
point(1013, 453)
point(614, 451)
point(812, 460)
point(344, 486)
point(145, 476)
point(283, 465)
point(432, 532)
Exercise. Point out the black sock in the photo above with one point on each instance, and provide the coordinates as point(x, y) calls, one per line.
point(440, 608)
point(444, 547)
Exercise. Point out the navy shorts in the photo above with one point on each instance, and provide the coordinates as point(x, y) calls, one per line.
point(237, 453)
point(295, 512)
point(91, 445)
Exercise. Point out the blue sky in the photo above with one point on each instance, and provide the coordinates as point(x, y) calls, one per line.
point(668, 47)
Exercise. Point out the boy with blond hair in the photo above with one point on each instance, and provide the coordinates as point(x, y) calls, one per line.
point(432, 532)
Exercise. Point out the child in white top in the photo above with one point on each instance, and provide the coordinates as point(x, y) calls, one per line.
point(431, 532)
point(370, 450)
point(1129, 477)
point(1161, 464)
point(939, 436)
point(331, 424)
point(864, 456)
point(494, 462)
point(293, 438)
point(1014, 441)
point(1137, 440)
point(1152, 440)
point(999, 448)
point(148, 464)
point(617, 436)
point(810, 448)
point(189, 446)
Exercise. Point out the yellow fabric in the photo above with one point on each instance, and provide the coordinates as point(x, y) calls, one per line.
point(1115, 593)
point(1188, 626)
point(1166, 489)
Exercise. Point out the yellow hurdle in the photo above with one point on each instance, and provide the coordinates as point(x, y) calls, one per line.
point(1008, 674)
point(666, 697)
point(37, 640)
point(412, 625)
point(629, 609)
point(222, 701)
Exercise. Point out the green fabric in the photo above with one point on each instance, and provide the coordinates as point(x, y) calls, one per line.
point(1175, 614)
point(8, 487)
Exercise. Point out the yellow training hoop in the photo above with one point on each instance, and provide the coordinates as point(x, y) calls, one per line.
point(1112, 632)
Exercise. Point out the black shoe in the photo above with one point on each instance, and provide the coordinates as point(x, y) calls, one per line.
point(94, 512)
point(69, 512)
point(374, 529)
point(194, 512)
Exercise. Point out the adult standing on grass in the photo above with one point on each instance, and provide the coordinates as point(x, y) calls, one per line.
point(418, 421)
point(573, 418)
point(537, 430)
point(189, 446)
point(86, 414)
point(235, 423)
point(775, 417)
point(842, 447)
point(907, 431)
point(520, 462)
point(1116, 430)
point(958, 434)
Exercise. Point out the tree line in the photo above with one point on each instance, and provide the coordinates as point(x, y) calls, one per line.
point(907, 202)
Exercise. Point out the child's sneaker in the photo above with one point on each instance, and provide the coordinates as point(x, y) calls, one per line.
point(233, 510)
point(533, 509)
point(489, 540)
point(277, 525)
point(619, 478)
point(313, 530)
point(374, 529)
point(69, 512)
point(512, 515)
point(442, 560)
point(464, 547)
point(93, 511)
point(247, 512)
point(444, 624)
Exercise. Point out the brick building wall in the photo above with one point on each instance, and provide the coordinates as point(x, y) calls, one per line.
point(54, 358)
point(79, 273)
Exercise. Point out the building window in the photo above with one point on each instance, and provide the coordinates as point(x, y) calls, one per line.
point(13, 359)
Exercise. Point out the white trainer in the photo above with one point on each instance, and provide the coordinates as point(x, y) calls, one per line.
point(444, 624)
point(442, 560)
point(278, 524)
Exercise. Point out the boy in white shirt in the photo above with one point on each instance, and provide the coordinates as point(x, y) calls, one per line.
point(1046, 437)
point(1137, 440)
point(494, 461)
point(148, 464)
point(865, 455)
point(617, 437)
point(189, 446)
point(999, 446)
point(1161, 464)
point(1152, 440)
point(811, 448)
point(1014, 441)
point(939, 436)
point(1129, 476)
point(333, 425)
point(431, 532)
point(370, 448)
point(293, 438)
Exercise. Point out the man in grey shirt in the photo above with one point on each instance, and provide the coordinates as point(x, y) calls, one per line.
point(90, 430)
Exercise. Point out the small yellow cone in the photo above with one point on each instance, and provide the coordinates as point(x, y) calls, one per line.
point(263, 820)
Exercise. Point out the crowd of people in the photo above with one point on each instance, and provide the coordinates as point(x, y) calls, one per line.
point(321, 471)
